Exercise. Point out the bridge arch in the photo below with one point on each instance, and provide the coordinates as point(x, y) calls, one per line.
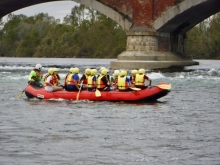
point(185, 15)
point(120, 18)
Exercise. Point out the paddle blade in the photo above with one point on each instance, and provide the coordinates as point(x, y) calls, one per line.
point(97, 93)
point(77, 96)
point(164, 86)
point(135, 89)
point(19, 96)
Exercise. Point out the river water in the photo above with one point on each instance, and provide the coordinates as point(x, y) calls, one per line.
point(181, 128)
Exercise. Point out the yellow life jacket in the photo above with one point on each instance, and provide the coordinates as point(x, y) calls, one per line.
point(122, 84)
point(69, 80)
point(91, 83)
point(100, 84)
point(139, 80)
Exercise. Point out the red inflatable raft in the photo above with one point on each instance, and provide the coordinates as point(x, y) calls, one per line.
point(148, 94)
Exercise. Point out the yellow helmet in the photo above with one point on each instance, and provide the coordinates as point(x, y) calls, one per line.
point(142, 71)
point(75, 70)
point(101, 68)
point(50, 70)
point(134, 71)
point(116, 73)
point(88, 71)
point(104, 72)
point(123, 73)
point(71, 70)
point(55, 69)
point(93, 72)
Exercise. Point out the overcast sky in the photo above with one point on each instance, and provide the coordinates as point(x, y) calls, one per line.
point(56, 9)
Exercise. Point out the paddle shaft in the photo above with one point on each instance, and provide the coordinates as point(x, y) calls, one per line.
point(19, 96)
point(77, 97)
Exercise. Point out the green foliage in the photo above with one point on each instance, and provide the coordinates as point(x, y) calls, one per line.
point(203, 41)
point(84, 33)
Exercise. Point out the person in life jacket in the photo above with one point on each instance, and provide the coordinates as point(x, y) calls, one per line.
point(57, 78)
point(108, 77)
point(100, 70)
point(36, 76)
point(102, 81)
point(132, 77)
point(141, 78)
point(84, 78)
point(114, 79)
point(70, 72)
point(51, 81)
point(72, 80)
point(47, 75)
point(91, 84)
point(123, 81)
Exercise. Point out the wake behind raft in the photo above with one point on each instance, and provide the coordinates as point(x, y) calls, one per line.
point(149, 94)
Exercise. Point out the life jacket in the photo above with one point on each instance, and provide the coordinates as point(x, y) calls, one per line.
point(91, 83)
point(85, 81)
point(65, 80)
point(100, 84)
point(139, 80)
point(36, 77)
point(115, 81)
point(57, 79)
point(45, 78)
point(69, 79)
point(52, 81)
point(122, 84)
point(133, 79)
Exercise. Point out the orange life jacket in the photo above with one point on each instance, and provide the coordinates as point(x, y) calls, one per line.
point(85, 81)
point(52, 81)
point(100, 84)
point(69, 79)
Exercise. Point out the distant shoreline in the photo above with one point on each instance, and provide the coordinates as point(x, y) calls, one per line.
point(22, 61)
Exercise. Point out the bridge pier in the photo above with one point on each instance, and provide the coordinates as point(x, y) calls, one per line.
point(150, 50)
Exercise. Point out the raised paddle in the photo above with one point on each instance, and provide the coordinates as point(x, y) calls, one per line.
point(164, 86)
point(97, 93)
point(20, 94)
point(77, 96)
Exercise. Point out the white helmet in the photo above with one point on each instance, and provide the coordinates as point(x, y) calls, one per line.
point(38, 66)
point(116, 73)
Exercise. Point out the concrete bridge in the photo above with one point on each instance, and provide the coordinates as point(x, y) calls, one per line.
point(155, 28)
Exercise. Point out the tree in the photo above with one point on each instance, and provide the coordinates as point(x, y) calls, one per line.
point(203, 41)
point(84, 33)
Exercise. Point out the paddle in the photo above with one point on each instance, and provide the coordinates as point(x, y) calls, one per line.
point(97, 93)
point(164, 86)
point(135, 89)
point(19, 96)
point(77, 96)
